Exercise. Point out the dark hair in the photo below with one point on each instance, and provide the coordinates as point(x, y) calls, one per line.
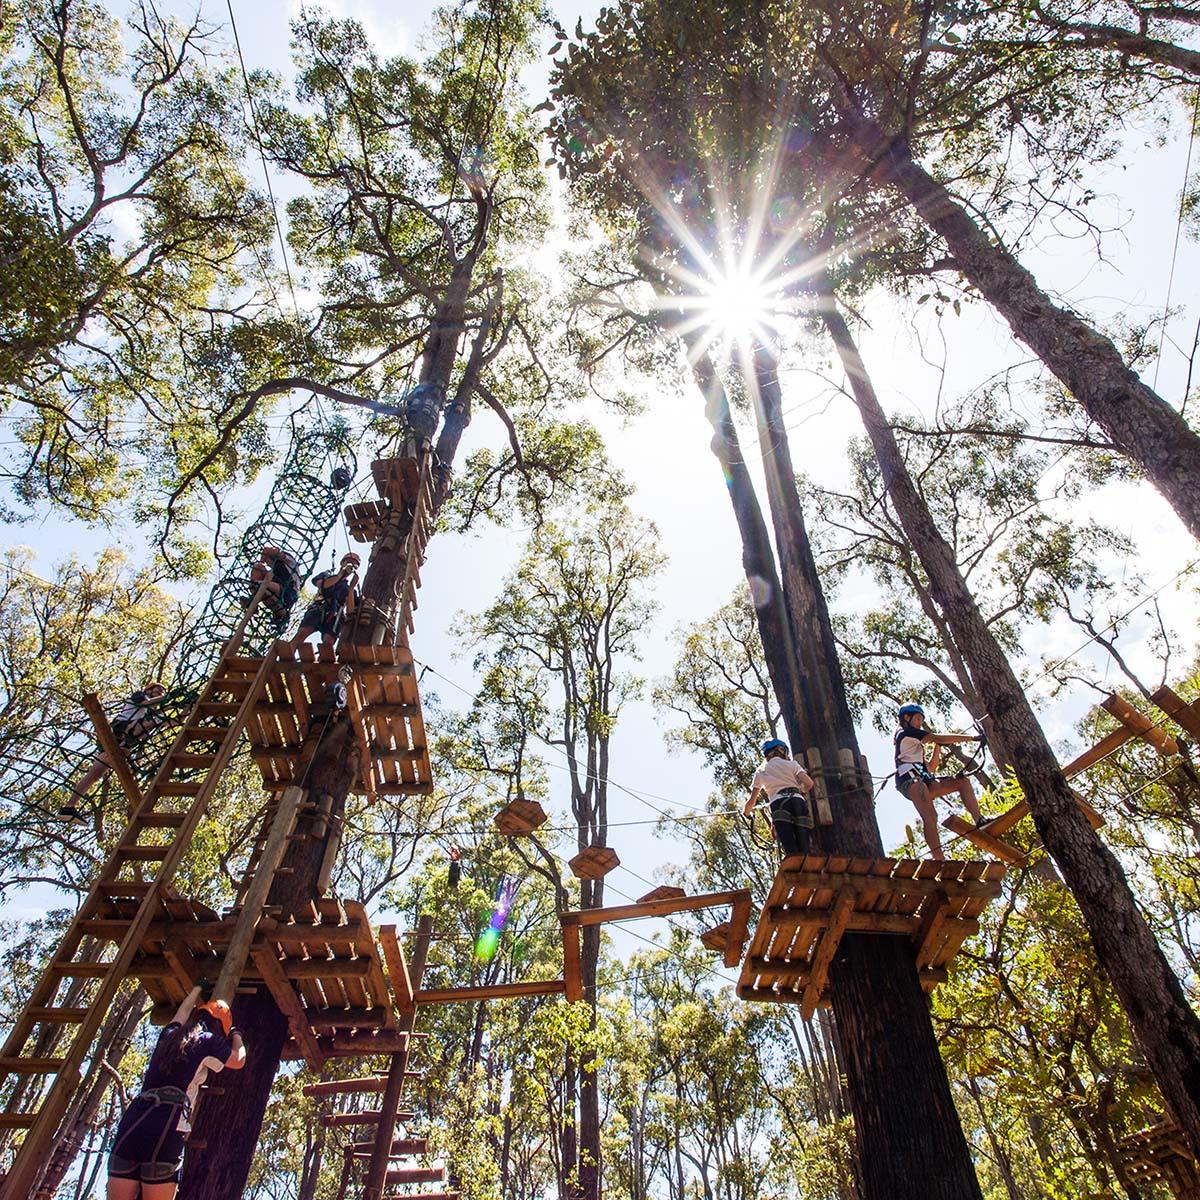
point(173, 1044)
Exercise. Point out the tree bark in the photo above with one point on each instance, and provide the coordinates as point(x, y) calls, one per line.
point(1165, 1027)
point(1139, 423)
point(910, 1141)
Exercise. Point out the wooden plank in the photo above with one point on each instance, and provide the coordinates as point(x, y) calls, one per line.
point(830, 939)
point(1178, 709)
point(985, 840)
point(393, 953)
point(1146, 729)
point(650, 908)
point(572, 962)
point(1101, 750)
point(931, 930)
point(903, 924)
point(112, 751)
point(816, 879)
point(345, 1087)
point(289, 1004)
point(494, 991)
point(326, 968)
point(739, 920)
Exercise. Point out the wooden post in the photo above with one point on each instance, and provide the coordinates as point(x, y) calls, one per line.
point(113, 752)
point(381, 1152)
point(256, 894)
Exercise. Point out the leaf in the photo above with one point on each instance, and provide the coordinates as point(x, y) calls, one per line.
point(922, 299)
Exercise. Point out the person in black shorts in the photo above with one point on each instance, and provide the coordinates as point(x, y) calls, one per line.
point(335, 597)
point(147, 1149)
point(915, 778)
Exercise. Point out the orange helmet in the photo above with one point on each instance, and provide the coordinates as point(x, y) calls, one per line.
point(219, 1011)
point(352, 557)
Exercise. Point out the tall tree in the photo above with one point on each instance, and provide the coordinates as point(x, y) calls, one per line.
point(438, 154)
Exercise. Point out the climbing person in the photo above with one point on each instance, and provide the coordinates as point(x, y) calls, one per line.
point(335, 597)
point(786, 785)
point(147, 1149)
point(135, 720)
point(454, 873)
point(915, 778)
point(278, 568)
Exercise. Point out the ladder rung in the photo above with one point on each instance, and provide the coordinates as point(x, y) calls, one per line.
point(9, 1120)
point(142, 853)
point(133, 889)
point(204, 733)
point(183, 760)
point(85, 970)
point(177, 789)
point(57, 1016)
point(30, 1066)
point(107, 929)
point(218, 708)
point(238, 662)
point(232, 684)
point(162, 820)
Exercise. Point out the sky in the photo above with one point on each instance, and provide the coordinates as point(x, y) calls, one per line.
point(918, 362)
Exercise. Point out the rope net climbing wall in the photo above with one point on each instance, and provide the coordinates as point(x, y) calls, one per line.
point(41, 756)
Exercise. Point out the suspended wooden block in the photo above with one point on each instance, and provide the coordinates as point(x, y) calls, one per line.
point(665, 891)
point(520, 817)
point(417, 1175)
point(1141, 725)
point(716, 938)
point(365, 519)
point(594, 863)
point(1185, 715)
point(816, 899)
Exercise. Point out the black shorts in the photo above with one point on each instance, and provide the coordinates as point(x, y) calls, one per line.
point(324, 621)
point(916, 771)
point(147, 1147)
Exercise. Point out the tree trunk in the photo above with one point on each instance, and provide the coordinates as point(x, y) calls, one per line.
point(1140, 424)
point(589, 1084)
point(999, 1150)
point(228, 1129)
point(911, 1144)
point(1162, 1021)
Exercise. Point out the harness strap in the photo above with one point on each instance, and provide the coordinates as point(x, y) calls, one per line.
point(171, 1098)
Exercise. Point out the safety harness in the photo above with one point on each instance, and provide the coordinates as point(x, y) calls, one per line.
point(174, 1100)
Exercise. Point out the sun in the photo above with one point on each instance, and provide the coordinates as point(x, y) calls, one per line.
point(738, 306)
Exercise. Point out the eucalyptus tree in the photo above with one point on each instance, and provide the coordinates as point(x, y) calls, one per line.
point(133, 252)
point(420, 170)
point(556, 652)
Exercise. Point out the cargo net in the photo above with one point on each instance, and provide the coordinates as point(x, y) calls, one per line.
point(40, 760)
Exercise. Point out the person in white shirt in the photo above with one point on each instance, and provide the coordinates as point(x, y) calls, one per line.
point(786, 785)
point(915, 779)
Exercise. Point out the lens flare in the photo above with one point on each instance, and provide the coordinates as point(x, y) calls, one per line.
point(488, 941)
point(739, 307)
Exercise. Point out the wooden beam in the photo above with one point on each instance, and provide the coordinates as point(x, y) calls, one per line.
point(289, 1004)
point(398, 976)
point(112, 751)
point(256, 895)
point(494, 991)
point(826, 949)
point(821, 881)
point(1101, 750)
point(1179, 710)
point(652, 908)
point(347, 1018)
point(739, 922)
point(932, 928)
point(572, 963)
point(858, 922)
point(1146, 729)
point(326, 968)
point(985, 839)
point(341, 1087)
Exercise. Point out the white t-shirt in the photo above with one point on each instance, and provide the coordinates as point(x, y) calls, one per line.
point(775, 774)
point(910, 750)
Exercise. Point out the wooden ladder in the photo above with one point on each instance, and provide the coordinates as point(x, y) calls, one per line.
point(119, 909)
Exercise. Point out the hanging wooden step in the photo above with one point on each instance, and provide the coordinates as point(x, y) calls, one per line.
point(664, 891)
point(397, 480)
point(365, 519)
point(716, 938)
point(401, 1148)
point(594, 862)
point(370, 1117)
point(403, 1175)
point(814, 900)
point(518, 818)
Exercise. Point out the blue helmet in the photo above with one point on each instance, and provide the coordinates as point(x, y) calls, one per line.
point(774, 744)
point(910, 710)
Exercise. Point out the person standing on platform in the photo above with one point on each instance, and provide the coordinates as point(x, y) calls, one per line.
point(335, 597)
point(786, 785)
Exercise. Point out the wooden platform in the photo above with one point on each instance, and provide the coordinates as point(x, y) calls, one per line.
point(519, 818)
point(594, 862)
point(383, 704)
point(322, 967)
point(816, 899)
point(1157, 1155)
